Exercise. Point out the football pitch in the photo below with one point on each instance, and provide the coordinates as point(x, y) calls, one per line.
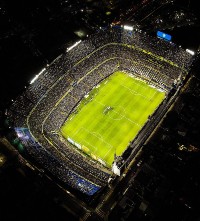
point(110, 116)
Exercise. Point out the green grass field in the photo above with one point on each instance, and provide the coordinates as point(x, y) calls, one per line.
point(111, 115)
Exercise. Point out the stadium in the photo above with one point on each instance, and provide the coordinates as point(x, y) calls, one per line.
point(88, 113)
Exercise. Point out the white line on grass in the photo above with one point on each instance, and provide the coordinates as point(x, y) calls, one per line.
point(97, 136)
point(95, 148)
point(108, 152)
point(123, 116)
point(94, 134)
point(153, 95)
point(135, 92)
point(103, 141)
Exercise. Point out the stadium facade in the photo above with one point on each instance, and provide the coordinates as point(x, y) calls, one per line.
point(39, 112)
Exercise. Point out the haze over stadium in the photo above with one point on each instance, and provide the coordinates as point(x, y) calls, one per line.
point(102, 97)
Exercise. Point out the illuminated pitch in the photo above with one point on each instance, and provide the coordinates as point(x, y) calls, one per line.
point(111, 115)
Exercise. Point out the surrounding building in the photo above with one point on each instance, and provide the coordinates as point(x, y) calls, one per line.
point(159, 171)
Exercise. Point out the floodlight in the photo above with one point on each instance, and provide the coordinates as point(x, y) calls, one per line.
point(37, 75)
point(190, 51)
point(74, 45)
point(129, 28)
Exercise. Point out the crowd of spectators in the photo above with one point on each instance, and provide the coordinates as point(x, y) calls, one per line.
point(48, 102)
